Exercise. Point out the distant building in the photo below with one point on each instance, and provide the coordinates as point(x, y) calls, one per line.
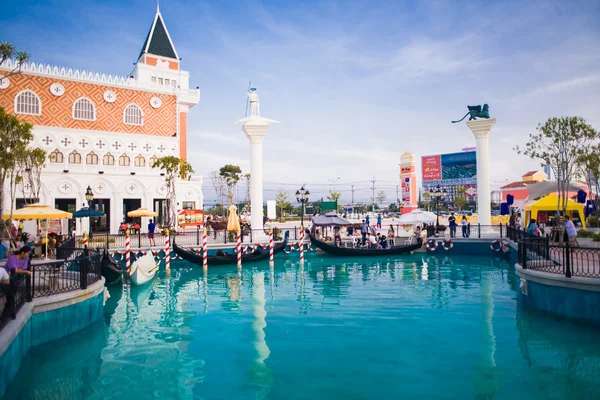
point(107, 131)
point(519, 188)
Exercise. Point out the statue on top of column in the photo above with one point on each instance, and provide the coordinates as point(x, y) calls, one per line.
point(254, 103)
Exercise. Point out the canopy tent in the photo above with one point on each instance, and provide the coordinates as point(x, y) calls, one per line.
point(546, 187)
point(550, 203)
point(85, 212)
point(417, 217)
point(330, 219)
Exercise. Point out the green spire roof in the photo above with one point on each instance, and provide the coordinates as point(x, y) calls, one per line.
point(158, 41)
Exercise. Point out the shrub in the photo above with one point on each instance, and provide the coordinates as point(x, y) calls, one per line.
point(585, 234)
point(593, 222)
point(596, 237)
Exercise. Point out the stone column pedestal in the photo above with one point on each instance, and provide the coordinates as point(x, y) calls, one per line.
point(481, 130)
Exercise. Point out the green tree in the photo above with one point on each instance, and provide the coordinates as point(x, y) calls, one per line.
point(231, 175)
point(9, 52)
point(393, 207)
point(381, 196)
point(590, 165)
point(460, 198)
point(333, 196)
point(561, 143)
point(15, 136)
point(281, 199)
point(175, 168)
point(32, 165)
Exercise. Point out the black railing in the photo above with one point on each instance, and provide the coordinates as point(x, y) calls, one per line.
point(565, 260)
point(517, 234)
point(13, 296)
point(65, 249)
point(80, 270)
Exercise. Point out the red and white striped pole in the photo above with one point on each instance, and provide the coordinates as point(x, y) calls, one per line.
point(167, 251)
point(85, 239)
point(204, 249)
point(238, 250)
point(301, 245)
point(271, 261)
point(127, 251)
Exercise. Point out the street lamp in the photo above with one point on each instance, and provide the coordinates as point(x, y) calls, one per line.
point(437, 193)
point(89, 196)
point(302, 197)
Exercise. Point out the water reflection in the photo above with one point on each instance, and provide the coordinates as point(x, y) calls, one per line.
point(299, 331)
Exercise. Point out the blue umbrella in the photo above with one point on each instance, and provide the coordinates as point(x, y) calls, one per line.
point(86, 212)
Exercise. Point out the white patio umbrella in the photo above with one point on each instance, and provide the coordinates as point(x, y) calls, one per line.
point(417, 217)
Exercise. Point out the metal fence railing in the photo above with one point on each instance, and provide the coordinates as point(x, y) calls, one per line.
point(13, 296)
point(564, 260)
point(80, 269)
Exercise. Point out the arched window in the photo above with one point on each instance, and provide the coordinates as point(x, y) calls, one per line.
point(56, 157)
point(133, 115)
point(28, 102)
point(108, 159)
point(84, 110)
point(91, 158)
point(153, 159)
point(74, 157)
point(139, 161)
point(124, 161)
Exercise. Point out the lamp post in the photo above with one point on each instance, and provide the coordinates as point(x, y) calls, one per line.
point(437, 193)
point(302, 197)
point(89, 196)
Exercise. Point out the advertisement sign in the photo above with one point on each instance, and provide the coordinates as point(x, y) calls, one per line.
point(432, 168)
point(454, 169)
point(271, 209)
point(190, 218)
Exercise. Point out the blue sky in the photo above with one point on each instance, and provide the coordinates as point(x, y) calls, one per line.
point(355, 83)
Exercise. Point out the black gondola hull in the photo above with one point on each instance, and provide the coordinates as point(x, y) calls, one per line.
point(349, 252)
point(259, 255)
point(111, 269)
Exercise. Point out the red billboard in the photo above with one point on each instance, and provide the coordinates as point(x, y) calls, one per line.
point(432, 168)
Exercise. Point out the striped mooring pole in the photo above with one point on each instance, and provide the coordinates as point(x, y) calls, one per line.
point(85, 239)
point(127, 251)
point(204, 249)
point(167, 251)
point(238, 250)
point(301, 247)
point(271, 260)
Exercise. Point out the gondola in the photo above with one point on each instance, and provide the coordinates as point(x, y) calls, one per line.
point(351, 252)
point(111, 269)
point(259, 254)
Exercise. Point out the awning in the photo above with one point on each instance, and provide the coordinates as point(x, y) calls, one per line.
point(330, 219)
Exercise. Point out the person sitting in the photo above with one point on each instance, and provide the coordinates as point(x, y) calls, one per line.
point(373, 241)
point(123, 227)
point(136, 227)
point(383, 242)
point(18, 262)
point(337, 238)
point(221, 253)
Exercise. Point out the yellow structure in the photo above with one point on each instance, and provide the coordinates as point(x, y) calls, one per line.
point(549, 203)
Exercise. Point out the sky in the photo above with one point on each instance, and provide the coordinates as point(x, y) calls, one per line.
point(354, 83)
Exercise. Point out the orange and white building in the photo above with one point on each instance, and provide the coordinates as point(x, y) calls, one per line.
point(107, 131)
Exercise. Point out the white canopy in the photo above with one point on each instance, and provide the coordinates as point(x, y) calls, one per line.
point(418, 217)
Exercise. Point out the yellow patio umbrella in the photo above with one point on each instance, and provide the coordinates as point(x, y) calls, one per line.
point(142, 212)
point(233, 222)
point(38, 212)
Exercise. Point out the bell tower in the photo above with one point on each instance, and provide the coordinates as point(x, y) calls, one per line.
point(158, 67)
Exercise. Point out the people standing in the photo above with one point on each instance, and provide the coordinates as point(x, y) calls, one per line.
point(151, 228)
point(379, 221)
point(571, 231)
point(518, 221)
point(364, 228)
point(390, 235)
point(464, 222)
point(368, 220)
point(452, 223)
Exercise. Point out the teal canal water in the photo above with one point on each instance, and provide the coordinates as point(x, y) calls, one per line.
point(413, 327)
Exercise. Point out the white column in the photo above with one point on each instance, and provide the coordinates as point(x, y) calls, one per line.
point(481, 130)
point(256, 182)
